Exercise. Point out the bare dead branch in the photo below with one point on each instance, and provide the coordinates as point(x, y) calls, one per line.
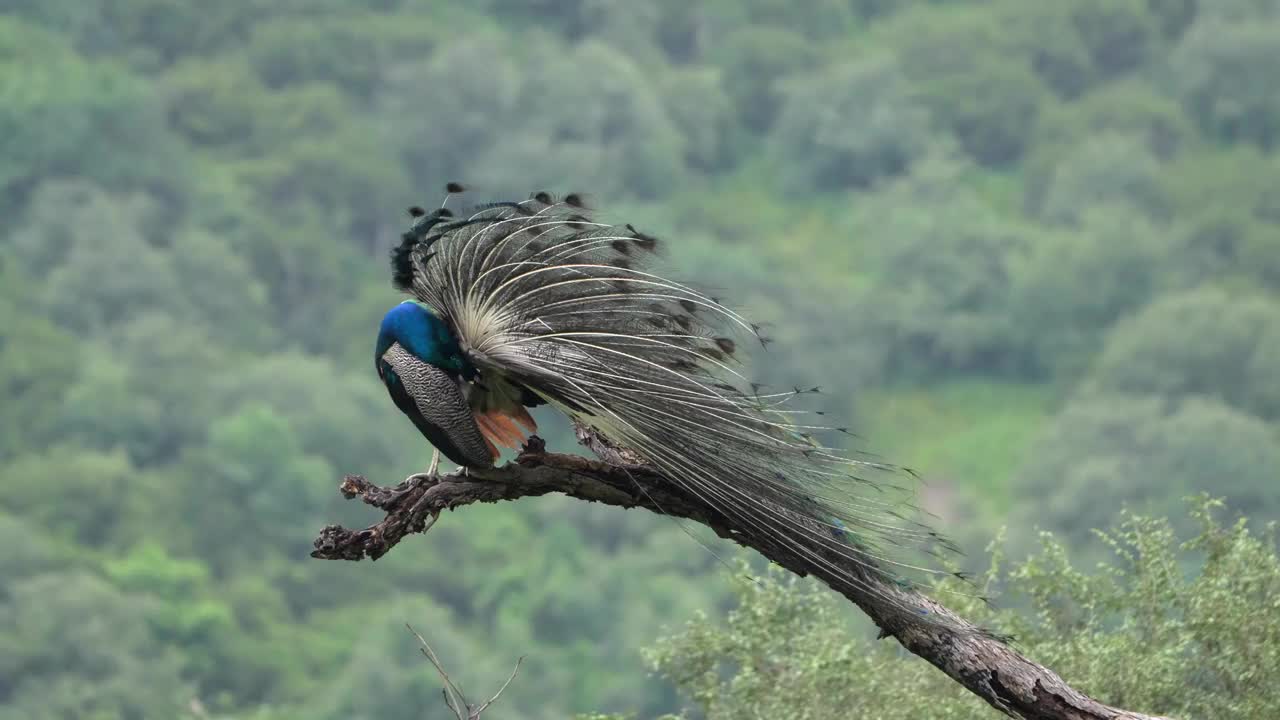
point(515, 671)
point(454, 699)
point(985, 665)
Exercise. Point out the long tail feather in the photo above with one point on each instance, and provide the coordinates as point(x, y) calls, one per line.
point(566, 308)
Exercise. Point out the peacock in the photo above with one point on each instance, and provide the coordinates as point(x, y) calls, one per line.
point(518, 304)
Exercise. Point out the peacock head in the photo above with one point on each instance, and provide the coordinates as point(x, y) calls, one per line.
point(422, 334)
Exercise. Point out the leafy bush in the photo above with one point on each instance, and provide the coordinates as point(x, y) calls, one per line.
point(66, 116)
point(71, 645)
point(1073, 285)
point(102, 483)
point(591, 115)
point(992, 108)
point(945, 263)
point(1222, 73)
point(1131, 109)
point(440, 141)
point(263, 487)
point(703, 112)
point(1140, 452)
point(1175, 15)
point(1119, 34)
point(973, 84)
point(138, 394)
point(28, 553)
point(1138, 631)
point(1106, 170)
point(1229, 210)
point(1079, 45)
point(350, 425)
point(1230, 358)
point(851, 126)
point(36, 361)
point(754, 61)
point(351, 52)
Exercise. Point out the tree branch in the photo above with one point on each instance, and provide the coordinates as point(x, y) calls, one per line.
point(983, 664)
point(453, 697)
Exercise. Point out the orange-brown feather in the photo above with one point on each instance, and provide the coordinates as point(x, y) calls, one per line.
point(500, 428)
point(486, 432)
point(522, 416)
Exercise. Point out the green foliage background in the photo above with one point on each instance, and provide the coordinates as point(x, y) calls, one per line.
point(1030, 248)
point(1137, 630)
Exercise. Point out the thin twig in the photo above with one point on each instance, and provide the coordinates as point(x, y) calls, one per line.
point(451, 692)
point(490, 701)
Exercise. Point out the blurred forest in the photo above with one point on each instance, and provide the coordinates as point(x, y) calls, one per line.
point(1030, 248)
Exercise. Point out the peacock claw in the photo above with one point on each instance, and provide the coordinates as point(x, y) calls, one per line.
point(432, 475)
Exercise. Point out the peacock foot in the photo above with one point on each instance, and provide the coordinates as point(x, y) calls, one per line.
point(431, 475)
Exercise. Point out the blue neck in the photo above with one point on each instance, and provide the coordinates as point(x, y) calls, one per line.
point(423, 335)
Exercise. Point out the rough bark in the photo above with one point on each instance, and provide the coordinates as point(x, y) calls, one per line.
point(987, 666)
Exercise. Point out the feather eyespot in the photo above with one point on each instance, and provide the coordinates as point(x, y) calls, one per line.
point(454, 187)
point(575, 199)
point(642, 241)
point(544, 197)
point(416, 211)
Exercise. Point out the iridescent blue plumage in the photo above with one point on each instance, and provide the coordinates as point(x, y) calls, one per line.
point(424, 335)
point(426, 374)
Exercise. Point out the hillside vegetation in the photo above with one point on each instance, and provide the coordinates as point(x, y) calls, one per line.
point(1030, 248)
